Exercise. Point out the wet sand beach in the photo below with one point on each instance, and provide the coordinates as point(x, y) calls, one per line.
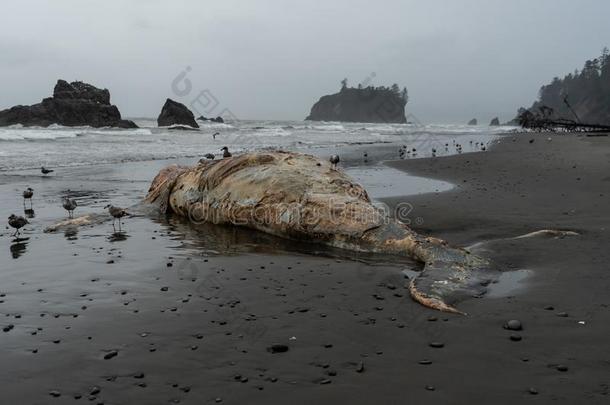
point(167, 312)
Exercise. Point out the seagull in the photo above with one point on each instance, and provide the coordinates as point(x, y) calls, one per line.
point(214, 134)
point(17, 222)
point(117, 213)
point(27, 195)
point(45, 171)
point(334, 159)
point(226, 153)
point(69, 205)
point(366, 157)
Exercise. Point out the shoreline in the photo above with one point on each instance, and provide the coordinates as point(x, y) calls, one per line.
point(191, 310)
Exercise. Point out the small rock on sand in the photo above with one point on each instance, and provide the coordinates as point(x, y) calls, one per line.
point(277, 348)
point(513, 324)
point(111, 354)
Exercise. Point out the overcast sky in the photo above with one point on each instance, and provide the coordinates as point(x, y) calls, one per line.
point(269, 59)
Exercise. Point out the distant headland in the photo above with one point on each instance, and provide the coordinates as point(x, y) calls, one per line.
point(577, 101)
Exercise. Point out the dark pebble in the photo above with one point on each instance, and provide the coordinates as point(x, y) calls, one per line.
point(325, 381)
point(54, 393)
point(562, 314)
point(533, 391)
point(515, 338)
point(95, 391)
point(164, 288)
point(425, 362)
point(277, 348)
point(562, 368)
point(360, 367)
point(437, 345)
point(513, 324)
point(430, 387)
point(111, 354)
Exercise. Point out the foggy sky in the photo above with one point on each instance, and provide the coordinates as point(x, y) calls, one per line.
point(270, 59)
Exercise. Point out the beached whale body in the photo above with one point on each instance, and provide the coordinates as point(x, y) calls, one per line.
point(300, 197)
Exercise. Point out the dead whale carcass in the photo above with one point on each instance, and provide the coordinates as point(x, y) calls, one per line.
point(298, 196)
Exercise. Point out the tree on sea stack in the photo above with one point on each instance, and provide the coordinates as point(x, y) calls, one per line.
point(344, 84)
point(405, 95)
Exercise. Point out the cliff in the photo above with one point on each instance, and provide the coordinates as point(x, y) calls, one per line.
point(370, 104)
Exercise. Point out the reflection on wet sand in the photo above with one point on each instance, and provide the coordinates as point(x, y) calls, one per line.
point(29, 213)
point(18, 247)
point(71, 233)
point(210, 240)
point(118, 237)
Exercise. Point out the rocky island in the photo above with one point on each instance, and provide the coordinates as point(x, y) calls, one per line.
point(362, 104)
point(72, 104)
point(177, 115)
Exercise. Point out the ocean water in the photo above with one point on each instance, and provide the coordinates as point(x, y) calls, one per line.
point(24, 148)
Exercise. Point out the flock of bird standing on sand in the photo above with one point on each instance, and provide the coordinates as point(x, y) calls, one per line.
point(17, 222)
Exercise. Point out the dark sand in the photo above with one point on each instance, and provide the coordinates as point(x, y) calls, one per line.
point(198, 331)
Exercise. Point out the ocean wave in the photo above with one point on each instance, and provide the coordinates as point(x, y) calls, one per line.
point(13, 133)
point(114, 131)
point(214, 125)
point(19, 134)
point(329, 127)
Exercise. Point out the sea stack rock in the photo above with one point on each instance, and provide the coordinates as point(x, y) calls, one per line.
point(495, 122)
point(369, 104)
point(473, 122)
point(175, 113)
point(218, 119)
point(72, 104)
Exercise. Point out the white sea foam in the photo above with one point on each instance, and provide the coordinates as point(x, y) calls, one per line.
point(15, 134)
